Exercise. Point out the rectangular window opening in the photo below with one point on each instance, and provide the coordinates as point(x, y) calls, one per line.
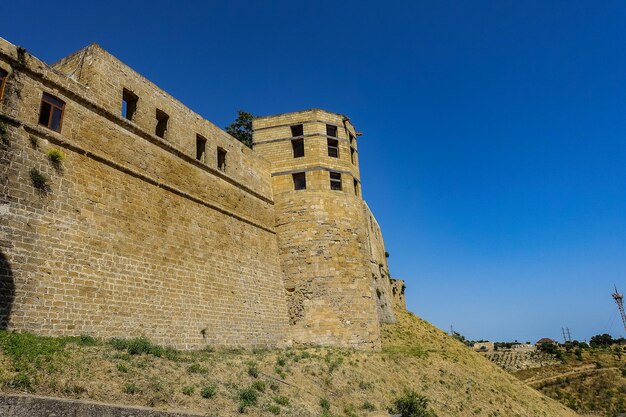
point(51, 112)
point(331, 131)
point(3, 80)
point(129, 104)
point(200, 148)
point(221, 159)
point(299, 181)
point(333, 148)
point(356, 188)
point(161, 126)
point(297, 130)
point(352, 155)
point(298, 147)
point(335, 181)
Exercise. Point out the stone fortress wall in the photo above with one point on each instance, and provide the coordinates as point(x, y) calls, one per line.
point(176, 231)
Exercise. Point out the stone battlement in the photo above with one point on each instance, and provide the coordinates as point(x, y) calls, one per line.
point(153, 221)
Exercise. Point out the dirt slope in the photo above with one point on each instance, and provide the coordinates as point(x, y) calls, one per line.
point(295, 382)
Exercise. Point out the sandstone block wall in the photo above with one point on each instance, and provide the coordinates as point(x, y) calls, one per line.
point(106, 77)
point(133, 236)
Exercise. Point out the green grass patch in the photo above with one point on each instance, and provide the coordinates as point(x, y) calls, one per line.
point(208, 391)
point(27, 350)
point(247, 397)
point(141, 345)
point(196, 368)
point(253, 371)
point(259, 386)
point(56, 156)
point(368, 406)
point(130, 388)
point(282, 400)
point(415, 351)
point(20, 381)
point(412, 404)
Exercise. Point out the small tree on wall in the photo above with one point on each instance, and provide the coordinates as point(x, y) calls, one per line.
point(241, 128)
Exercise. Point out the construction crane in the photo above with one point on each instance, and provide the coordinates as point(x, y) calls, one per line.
point(619, 299)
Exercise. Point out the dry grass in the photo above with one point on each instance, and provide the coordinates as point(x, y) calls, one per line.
point(595, 383)
point(293, 382)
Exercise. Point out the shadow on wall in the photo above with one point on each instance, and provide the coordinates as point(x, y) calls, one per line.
point(7, 291)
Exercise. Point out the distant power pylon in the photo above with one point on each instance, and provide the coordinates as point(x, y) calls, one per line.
point(619, 299)
point(567, 337)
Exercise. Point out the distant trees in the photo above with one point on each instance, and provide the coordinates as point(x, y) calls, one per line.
point(458, 336)
point(601, 340)
point(581, 345)
point(241, 128)
point(504, 345)
point(550, 349)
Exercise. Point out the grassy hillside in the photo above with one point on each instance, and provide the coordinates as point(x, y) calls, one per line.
point(294, 382)
point(593, 382)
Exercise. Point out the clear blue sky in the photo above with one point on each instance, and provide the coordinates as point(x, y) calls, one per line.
point(494, 146)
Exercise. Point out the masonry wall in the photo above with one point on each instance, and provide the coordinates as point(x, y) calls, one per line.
point(106, 77)
point(323, 238)
point(133, 236)
point(379, 268)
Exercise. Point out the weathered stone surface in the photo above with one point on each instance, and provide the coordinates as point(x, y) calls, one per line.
point(397, 289)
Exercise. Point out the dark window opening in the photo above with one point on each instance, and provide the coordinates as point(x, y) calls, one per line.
point(333, 148)
point(351, 139)
point(331, 131)
point(129, 104)
point(297, 130)
point(3, 80)
point(200, 148)
point(51, 112)
point(221, 159)
point(298, 148)
point(356, 188)
point(299, 181)
point(161, 126)
point(335, 181)
point(352, 155)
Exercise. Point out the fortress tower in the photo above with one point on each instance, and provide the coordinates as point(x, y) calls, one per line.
point(330, 246)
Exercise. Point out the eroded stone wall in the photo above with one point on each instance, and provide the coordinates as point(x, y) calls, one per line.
point(131, 235)
point(397, 289)
point(379, 268)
